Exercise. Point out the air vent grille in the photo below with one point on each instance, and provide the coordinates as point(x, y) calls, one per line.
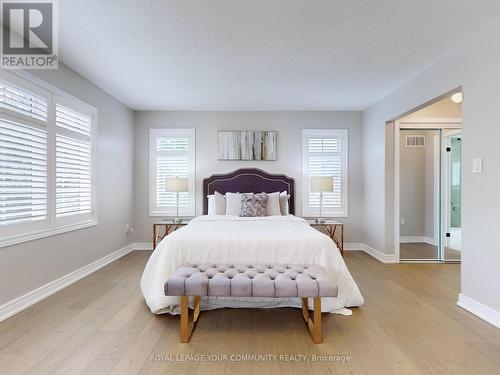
point(415, 141)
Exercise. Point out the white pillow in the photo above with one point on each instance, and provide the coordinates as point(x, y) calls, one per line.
point(273, 204)
point(216, 204)
point(211, 205)
point(284, 197)
point(233, 204)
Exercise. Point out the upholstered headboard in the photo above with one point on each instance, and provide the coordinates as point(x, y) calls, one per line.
point(248, 180)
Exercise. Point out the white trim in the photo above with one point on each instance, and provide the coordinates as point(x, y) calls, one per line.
point(397, 211)
point(381, 257)
point(143, 246)
point(354, 246)
point(480, 310)
point(443, 122)
point(384, 258)
point(23, 302)
point(13, 240)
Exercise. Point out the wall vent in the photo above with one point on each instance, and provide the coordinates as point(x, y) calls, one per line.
point(415, 141)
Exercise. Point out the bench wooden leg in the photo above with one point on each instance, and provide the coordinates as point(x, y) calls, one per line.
point(314, 324)
point(189, 317)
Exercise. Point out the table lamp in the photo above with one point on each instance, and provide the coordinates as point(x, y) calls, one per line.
point(321, 184)
point(176, 185)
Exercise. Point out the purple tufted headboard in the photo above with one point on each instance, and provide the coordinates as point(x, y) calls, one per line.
point(248, 180)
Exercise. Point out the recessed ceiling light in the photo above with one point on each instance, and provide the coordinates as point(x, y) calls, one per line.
point(457, 97)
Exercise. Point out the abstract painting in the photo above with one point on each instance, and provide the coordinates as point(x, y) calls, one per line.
point(247, 145)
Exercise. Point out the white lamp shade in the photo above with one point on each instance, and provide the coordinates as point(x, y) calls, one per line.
point(176, 184)
point(321, 184)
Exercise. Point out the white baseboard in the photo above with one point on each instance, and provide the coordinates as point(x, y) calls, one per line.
point(143, 246)
point(477, 308)
point(417, 239)
point(384, 258)
point(354, 246)
point(23, 302)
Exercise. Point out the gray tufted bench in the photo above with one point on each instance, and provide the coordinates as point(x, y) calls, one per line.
point(272, 281)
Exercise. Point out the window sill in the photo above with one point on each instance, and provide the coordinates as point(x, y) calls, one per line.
point(326, 216)
point(14, 240)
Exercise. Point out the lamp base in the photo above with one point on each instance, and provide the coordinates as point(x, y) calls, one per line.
point(177, 220)
point(320, 220)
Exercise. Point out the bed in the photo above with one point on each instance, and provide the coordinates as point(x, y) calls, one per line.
point(231, 239)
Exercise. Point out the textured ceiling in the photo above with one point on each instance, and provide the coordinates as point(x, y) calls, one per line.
point(260, 54)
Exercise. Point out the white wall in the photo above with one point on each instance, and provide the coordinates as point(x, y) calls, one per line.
point(475, 65)
point(289, 126)
point(29, 265)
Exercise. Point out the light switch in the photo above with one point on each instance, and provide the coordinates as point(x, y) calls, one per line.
point(477, 165)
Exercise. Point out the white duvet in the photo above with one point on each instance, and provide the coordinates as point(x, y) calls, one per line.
point(246, 240)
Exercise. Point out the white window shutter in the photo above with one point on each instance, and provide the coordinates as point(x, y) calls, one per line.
point(171, 155)
point(23, 173)
point(325, 154)
point(22, 102)
point(74, 164)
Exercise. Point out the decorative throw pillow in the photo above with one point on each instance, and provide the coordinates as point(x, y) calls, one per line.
point(273, 204)
point(284, 198)
point(253, 204)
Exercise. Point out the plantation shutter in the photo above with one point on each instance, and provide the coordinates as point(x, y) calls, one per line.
point(172, 154)
point(325, 154)
point(23, 173)
point(23, 158)
point(22, 102)
point(74, 178)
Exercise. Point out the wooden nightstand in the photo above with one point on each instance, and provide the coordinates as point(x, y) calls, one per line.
point(335, 231)
point(168, 227)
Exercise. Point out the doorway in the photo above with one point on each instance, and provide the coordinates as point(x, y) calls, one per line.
point(419, 186)
point(427, 175)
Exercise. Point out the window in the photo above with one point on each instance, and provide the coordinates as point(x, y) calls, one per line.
point(171, 154)
point(47, 167)
point(325, 153)
point(74, 164)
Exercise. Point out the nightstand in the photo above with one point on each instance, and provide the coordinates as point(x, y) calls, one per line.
point(162, 229)
point(335, 231)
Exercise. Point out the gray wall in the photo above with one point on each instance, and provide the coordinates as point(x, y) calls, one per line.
point(29, 265)
point(474, 65)
point(289, 126)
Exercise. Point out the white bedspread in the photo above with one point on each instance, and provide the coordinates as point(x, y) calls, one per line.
point(253, 240)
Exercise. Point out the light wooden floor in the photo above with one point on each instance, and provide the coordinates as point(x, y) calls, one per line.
point(410, 324)
point(421, 250)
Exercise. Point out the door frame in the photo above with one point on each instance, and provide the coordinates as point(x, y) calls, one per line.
point(427, 124)
point(446, 222)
